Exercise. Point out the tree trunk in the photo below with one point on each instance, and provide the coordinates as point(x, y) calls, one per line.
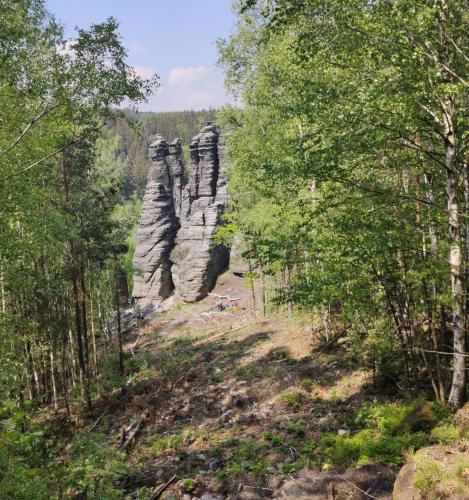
point(93, 329)
point(119, 330)
point(457, 396)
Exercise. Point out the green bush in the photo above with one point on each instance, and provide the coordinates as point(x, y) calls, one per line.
point(189, 485)
point(369, 446)
point(445, 433)
point(292, 398)
point(94, 467)
point(28, 468)
point(170, 443)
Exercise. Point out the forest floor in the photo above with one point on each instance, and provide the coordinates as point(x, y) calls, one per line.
point(233, 406)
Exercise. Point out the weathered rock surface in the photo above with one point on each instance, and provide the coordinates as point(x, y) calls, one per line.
point(435, 472)
point(190, 262)
point(157, 230)
point(198, 260)
point(177, 180)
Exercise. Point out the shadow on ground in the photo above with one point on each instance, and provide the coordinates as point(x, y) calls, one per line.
point(238, 416)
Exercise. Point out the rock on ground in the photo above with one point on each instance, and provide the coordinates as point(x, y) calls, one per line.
point(435, 472)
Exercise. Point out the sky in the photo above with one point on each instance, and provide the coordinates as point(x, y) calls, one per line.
point(173, 38)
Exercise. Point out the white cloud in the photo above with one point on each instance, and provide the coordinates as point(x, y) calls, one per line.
point(66, 48)
point(185, 88)
point(144, 71)
point(180, 76)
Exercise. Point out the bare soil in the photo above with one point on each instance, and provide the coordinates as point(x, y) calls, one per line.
point(234, 405)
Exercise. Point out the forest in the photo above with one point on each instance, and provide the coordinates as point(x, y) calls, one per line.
point(348, 223)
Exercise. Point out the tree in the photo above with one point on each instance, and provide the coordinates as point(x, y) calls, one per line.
point(355, 118)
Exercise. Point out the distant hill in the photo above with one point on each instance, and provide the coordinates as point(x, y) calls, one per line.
point(136, 131)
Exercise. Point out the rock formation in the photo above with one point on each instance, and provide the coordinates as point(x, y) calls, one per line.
point(197, 259)
point(157, 230)
point(186, 259)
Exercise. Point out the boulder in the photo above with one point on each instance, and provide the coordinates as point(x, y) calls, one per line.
point(435, 472)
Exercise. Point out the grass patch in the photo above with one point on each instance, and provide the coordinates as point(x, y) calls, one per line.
point(445, 433)
point(369, 446)
point(388, 432)
point(428, 476)
point(292, 398)
point(171, 443)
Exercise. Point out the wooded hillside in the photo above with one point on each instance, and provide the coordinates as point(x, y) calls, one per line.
point(330, 352)
point(349, 170)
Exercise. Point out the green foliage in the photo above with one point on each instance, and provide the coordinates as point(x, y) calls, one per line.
point(173, 442)
point(95, 467)
point(446, 433)
point(337, 172)
point(368, 446)
point(307, 384)
point(292, 398)
point(383, 438)
point(189, 485)
point(29, 469)
point(385, 418)
point(274, 439)
point(59, 244)
point(427, 476)
point(247, 457)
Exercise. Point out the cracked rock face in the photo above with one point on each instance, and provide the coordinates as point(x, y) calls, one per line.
point(176, 166)
point(197, 259)
point(175, 247)
point(156, 231)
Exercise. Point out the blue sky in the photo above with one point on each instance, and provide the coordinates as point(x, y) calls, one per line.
point(174, 38)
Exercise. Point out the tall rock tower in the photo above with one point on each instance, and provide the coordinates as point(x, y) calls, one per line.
point(157, 230)
point(197, 259)
point(175, 238)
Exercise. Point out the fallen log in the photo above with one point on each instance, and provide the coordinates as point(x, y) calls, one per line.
point(129, 433)
point(204, 341)
point(161, 488)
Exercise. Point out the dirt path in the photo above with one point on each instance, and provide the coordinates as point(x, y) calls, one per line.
point(238, 414)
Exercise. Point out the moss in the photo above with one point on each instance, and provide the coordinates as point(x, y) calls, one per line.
point(368, 446)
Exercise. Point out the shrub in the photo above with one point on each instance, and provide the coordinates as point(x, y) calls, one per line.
point(445, 433)
point(189, 485)
point(28, 468)
point(307, 384)
point(292, 398)
point(395, 418)
point(368, 446)
point(427, 476)
point(170, 443)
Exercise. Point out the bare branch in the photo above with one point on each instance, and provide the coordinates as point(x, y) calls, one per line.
point(43, 113)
